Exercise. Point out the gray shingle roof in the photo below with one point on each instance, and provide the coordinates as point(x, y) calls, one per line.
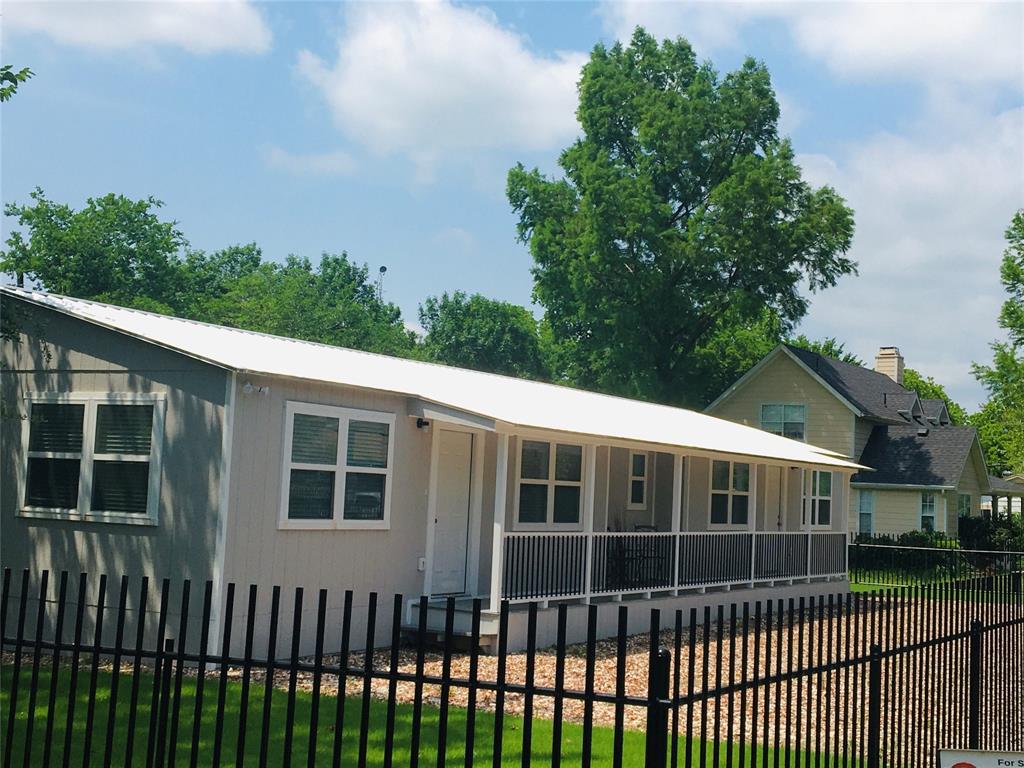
point(918, 453)
point(904, 448)
point(1005, 485)
point(874, 394)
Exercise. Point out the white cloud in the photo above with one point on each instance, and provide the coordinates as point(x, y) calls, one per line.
point(197, 26)
point(313, 164)
point(930, 216)
point(967, 43)
point(431, 80)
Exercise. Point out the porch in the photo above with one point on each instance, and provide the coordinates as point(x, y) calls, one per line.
point(535, 517)
point(547, 566)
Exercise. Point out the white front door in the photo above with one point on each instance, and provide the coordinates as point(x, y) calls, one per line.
point(451, 524)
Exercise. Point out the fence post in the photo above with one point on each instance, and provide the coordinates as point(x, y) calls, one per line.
point(165, 702)
point(656, 754)
point(875, 706)
point(974, 698)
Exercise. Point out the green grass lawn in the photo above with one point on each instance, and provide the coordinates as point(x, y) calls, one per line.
point(633, 741)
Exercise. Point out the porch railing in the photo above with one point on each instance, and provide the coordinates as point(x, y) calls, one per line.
point(580, 565)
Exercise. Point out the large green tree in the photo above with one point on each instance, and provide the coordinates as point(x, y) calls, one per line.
point(681, 215)
point(333, 302)
point(483, 334)
point(113, 249)
point(120, 251)
point(1000, 421)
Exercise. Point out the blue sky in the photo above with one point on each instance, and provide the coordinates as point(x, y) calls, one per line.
point(386, 130)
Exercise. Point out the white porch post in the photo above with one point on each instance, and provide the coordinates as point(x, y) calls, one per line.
point(500, 496)
point(589, 497)
point(805, 503)
point(752, 519)
point(677, 511)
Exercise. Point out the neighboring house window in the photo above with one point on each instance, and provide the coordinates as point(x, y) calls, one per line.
point(338, 464)
point(866, 512)
point(819, 500)
point(730, 493)
point(550, 483)
point(963, 505)
point(93, 457)
point(927, 511)
point(785, 420)
point(637, 481)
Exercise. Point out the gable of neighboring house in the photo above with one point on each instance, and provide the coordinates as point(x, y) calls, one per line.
point(910, 444)
point(781, 387)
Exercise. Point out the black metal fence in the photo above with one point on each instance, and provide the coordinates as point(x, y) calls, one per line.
point(880, 562)
point(841, 679)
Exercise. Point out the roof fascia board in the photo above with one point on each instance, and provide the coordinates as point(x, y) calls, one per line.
point(835, 393)
point(110, 327)
point(781, 349)
point(901, 487)
point(431, 411)
point(742, 380)
point(520, 431)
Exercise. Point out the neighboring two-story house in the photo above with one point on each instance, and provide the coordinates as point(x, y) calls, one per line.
point(927, 471)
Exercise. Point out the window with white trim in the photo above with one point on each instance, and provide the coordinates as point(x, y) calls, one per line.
point(550, 484)
point(927, 511)
point(964, 505)
point(338, 464)
point(818, 498)
point(93, 457)
point(637, 480)
point(730, 493)
point(866, 512)
point(786, 419)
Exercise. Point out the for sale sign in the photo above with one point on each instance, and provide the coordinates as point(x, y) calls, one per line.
point(974, 759)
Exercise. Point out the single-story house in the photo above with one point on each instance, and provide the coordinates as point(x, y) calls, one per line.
point(927, 472)
point(142, 444)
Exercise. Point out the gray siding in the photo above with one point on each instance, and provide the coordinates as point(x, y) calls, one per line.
point(259, 552)
point(56, 353)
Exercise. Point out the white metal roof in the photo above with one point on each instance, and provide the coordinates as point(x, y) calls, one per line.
point(509, 401)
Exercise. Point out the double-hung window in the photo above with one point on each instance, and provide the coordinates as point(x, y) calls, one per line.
point(866, 512)
point(93, 457)
point(550, 484)
point(337, 469)
point(963, 505)
point(927, 511)
point(818, 498)
point(637, 480)
point(730, 492)
point(784, 419)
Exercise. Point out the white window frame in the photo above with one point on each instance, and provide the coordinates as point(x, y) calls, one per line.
point(644, 478)
point(83, 511)
point(752, 468)
point(863, 495)
point(341, 468)
point(934, 513)
point(970, 504)
point(812, 497)
point(550, 523)
point(783, 406)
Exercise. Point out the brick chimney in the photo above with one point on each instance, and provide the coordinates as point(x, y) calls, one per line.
point(890, 362)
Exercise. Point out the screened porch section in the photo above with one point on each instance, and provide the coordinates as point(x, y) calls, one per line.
point(598, 521)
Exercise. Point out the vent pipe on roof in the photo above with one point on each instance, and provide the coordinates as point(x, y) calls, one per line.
point(890, 362)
